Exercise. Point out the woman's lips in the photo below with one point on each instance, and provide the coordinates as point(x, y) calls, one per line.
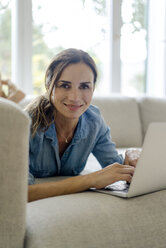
point(73, 107)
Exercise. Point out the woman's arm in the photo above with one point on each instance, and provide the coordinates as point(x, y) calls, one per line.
point(98, 179)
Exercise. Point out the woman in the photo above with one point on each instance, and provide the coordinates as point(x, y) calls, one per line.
point(66, 129)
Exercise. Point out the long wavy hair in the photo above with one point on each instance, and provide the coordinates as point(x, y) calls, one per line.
point(41, 109)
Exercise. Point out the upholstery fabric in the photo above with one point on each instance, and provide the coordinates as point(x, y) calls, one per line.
point(151, 110)
point(14, 132)
point(83, 220)
point(122, 115)
point(95, 220)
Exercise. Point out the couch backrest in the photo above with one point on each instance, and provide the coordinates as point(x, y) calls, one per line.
point(14, 140)
point(151, 110)
point(127, 117)
point(122, 115)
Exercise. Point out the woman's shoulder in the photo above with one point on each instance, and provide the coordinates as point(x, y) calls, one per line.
point(93, 114)
point(41, 134)
point(93, 110)
point(93, 119)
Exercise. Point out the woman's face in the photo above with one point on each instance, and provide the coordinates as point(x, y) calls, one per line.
point(73, 92)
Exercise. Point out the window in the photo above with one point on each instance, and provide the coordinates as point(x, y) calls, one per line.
point(5, 38)
point(156, 62)
point(133, 47)
point(125, 37)
point(81, 24)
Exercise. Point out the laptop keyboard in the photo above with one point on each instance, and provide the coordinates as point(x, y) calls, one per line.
point(118, 186)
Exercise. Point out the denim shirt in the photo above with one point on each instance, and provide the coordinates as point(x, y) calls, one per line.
point(91, 135)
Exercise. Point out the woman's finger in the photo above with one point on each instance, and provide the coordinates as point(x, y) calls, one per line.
point(128, 171)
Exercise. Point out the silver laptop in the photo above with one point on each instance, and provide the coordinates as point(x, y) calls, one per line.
point(150, 172)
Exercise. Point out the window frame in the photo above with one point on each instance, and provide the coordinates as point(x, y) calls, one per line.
point(156, 48)
point(22, 44)
point(115, 64)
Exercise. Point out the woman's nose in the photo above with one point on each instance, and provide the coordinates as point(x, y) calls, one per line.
point(74, 95)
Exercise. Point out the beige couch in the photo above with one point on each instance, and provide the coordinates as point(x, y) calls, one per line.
point(88, 219)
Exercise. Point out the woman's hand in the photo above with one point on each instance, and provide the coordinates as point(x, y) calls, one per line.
point(2, 93)
point(131, 157)
point(111, 174)
point(14, 94)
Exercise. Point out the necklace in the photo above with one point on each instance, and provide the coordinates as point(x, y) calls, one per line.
point(65, 138)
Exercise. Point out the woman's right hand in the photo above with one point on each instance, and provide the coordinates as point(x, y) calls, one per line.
point(98, 180)
point(111, 174)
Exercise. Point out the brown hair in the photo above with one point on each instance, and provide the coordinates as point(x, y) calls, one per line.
point(41, 109)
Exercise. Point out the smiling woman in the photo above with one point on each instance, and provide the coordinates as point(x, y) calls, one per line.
point(66, 129)
point(73, 92)
point(70, 67)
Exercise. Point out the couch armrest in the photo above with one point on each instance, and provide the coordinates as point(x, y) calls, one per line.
point(14, 136)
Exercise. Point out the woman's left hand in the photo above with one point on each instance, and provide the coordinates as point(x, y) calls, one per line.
point(131, 157)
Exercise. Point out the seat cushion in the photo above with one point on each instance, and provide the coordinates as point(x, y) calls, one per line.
point(95, 220)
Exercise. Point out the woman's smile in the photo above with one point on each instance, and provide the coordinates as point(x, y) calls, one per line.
point(73, 107)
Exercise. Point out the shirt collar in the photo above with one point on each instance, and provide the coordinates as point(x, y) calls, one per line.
point(81, 131)
point(50, 133)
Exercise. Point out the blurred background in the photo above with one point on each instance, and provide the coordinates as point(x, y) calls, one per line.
point(126, 38)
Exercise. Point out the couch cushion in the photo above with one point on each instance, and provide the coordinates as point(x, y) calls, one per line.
point(95, 220)
point(122, 115)
point(151, 110)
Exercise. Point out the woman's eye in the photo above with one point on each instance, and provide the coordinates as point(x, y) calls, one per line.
point(64, 86)
point(84, 86)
